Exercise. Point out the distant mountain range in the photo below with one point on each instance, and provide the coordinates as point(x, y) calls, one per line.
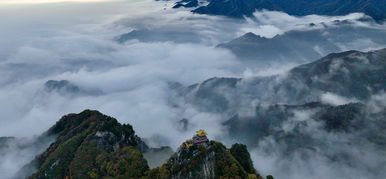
point(239, 8)
point(264, 51)
point(288, 111)
point(314, 39)
point(315, 129)
point(314, 111)
point(318, 41)
point(145, 35)
point(64, 87)
point(350, 74)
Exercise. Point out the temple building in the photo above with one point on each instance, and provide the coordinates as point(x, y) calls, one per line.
point(200, 138)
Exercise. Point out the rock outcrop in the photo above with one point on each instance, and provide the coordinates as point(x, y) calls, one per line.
point(212, 160)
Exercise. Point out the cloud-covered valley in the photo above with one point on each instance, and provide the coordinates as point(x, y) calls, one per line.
point(130, 59)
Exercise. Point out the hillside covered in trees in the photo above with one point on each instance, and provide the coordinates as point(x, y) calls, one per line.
point(93, 145)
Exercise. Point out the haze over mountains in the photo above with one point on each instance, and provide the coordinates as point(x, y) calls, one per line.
point(240, 8)
point(352, 75)
point(314, 44)
point(93, 145)
point(305, 94)
point(313, 112)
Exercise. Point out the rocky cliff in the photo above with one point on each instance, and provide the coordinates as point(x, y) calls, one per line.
point(214, 161)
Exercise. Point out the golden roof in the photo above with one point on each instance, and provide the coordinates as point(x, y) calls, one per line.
point(201, 133)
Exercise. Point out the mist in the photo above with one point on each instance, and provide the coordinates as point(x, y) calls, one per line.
point(76, 46)
point(320, 154)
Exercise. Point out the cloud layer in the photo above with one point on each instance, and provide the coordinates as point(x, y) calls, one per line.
point(135, 78)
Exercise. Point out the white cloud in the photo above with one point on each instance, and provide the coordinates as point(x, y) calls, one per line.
point(270, 23)
point(333, 99)
point(67, 42)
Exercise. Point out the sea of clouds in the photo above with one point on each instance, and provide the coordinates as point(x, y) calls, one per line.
point(77, 42)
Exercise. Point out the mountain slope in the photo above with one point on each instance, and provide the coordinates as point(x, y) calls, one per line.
point(261, 50)
point(353, 75)
point(91, 145)
point(65, 87)
point(239, 8)
point(319, 41)
point(312, 132)
point(348, 118)
point(215, 161)
point(235, 8)
point(325, 113)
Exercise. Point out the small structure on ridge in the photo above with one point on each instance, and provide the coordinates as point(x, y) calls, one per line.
point(199, 139)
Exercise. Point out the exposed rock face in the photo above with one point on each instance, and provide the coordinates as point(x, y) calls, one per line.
point(197, 161)
point(208, 166)
point(205, 169)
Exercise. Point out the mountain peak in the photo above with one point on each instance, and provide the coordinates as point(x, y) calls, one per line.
point(251, 36)
point(92, 145)
point(211, 161)
point(200, 158)
point(85, 143)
